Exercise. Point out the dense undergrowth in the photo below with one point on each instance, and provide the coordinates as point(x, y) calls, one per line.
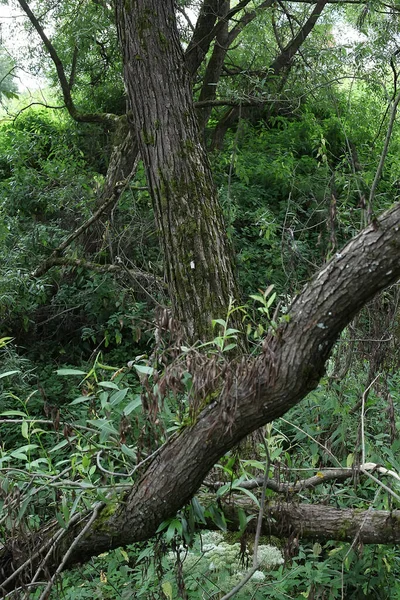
point(292, 197)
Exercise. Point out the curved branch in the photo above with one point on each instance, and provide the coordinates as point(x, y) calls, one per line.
point(251, 393)
point(65, 84)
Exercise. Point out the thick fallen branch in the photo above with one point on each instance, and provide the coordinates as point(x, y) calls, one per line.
point(320, 522)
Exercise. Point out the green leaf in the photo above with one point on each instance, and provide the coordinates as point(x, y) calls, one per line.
point(128, 451)
point(61, 445)
point(167, 589)
point(258, 298)
point(145, 553)
point(105, 428)
point(242, 519)
point(162, 526)
point(219, 322)
point(13, 413)
point(61, 521)
point(8, 373)
point(231, 331)
point(109, 384)
point(27, 448)
point(24, 430)
point(271, 300)
point(217, 516)
point(70, 372)
point(81, 399)
point(229, 347)
point(118, 397)
point(144, 369)
point(174, 527)
point(133, 405)
point(18, 455)
point(198, 510)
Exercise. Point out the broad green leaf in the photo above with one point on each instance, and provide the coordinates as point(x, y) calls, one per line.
point(18, 455)
point(118, 397)
point(81, 399)
point(198, 510)
point(167, 589)
point(317, 549)
point(258, 298)
point(145, 553)
point(133, 405)
point(124, 554)
point(24, 430)
point(104, 426)
point(162, 526)
point(219, 322)
point(271, 300)
point(128, 451)
point(61, 445)
point(217, 516)
point(229, 347)
point(27, 448)
point(144, 369)
point(38, 462)
point(174, 527)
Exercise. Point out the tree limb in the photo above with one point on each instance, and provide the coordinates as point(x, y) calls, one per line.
point(136, 274)
point(65, 84)
point(252, 393)
point(55, 255)
point(323, 523)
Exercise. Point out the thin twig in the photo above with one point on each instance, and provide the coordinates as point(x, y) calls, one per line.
point(313, 439)
point(64, 561)
point(379, 170)
point(364, 396)
point(262, 504)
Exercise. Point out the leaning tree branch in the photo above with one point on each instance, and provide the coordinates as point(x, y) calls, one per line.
point(64, 83)
point(136, 274)
point(281, 62)
point(246, 395)
point(285, 57)
point(52, 259)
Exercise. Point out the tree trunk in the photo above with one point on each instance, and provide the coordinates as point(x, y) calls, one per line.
point(198, 256)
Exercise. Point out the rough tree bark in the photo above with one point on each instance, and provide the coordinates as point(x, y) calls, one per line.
point(251, 394)
point(198, 257)
point(323, 523)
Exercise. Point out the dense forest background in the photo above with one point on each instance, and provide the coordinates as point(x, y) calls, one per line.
point(99, 373)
